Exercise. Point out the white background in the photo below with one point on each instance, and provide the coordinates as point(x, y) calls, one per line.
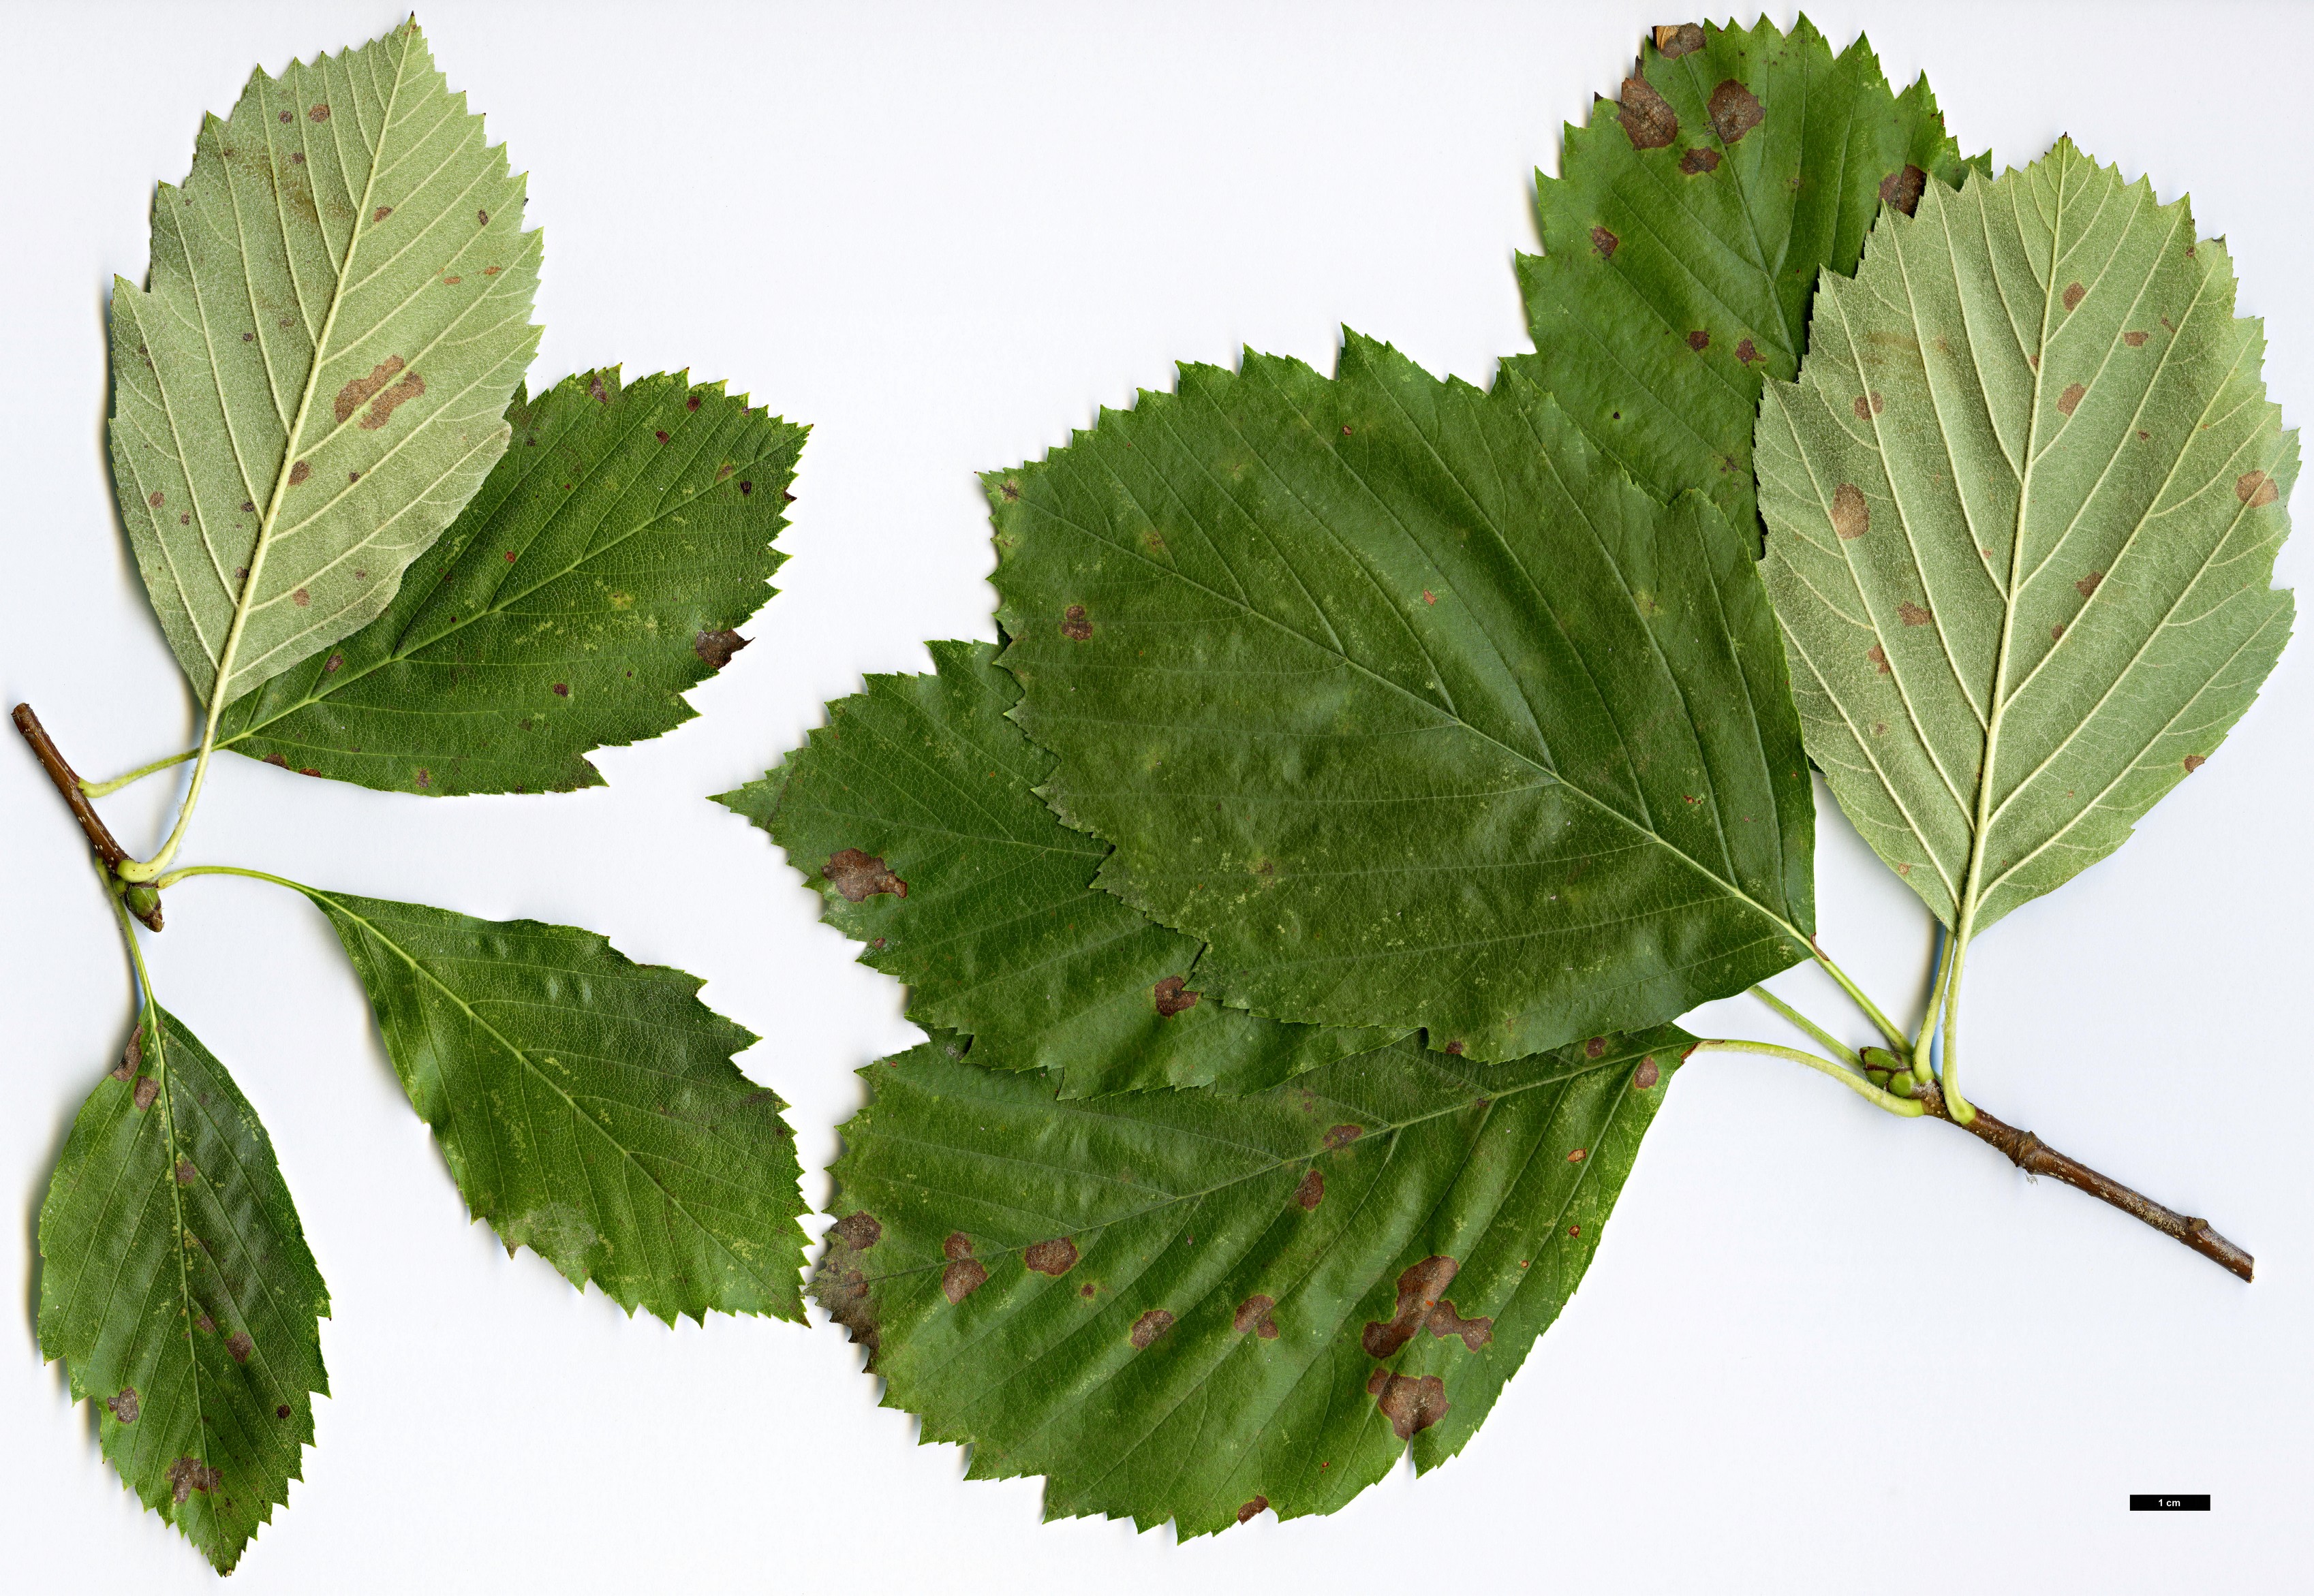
point(1820, 1350)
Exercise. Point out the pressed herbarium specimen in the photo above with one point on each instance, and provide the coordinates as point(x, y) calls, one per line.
point(1302, 897)
point(379, 560)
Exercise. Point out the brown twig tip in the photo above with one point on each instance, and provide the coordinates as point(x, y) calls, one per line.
point(2029, 1153)
point(91, 824)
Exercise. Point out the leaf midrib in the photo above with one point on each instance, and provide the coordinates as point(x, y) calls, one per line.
point(1386, 1127)
point(578, 1114)
point(1553, 777)
point(406, 650)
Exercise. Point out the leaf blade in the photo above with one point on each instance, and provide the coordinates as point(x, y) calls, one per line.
point(1679, 262)
point(2022, 543)
point(1410, 706)
point(1286, 1288)
point(546, 1064)
point(920, 797)
point(359, 327)
point(204, 1369)
point(598, 575)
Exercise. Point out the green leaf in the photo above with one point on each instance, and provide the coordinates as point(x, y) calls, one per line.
point(587, 1106)
point(596, 576)
point(1190, 1306)
point(915, 813)
point(1413, 708)
point(317, 380)
point(1685, 238)
point(176, 1285)
point(2023, 507)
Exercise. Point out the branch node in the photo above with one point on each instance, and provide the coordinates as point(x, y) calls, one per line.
point(110, 853)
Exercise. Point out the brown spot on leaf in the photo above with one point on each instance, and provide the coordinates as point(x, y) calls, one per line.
point(1699, 161)
point(303, 598)
point(2256, 488)
point(1603, 242)
point(1851, 517)
point(333, 661)
point(2057, 632)
point(357, 392)
point(2088, 585)
point(123, 1408)
point(185, 1171)
point(2073, 292)
point(597, 391)
point(2133, 339)
point(1735, 110)
point(284, 117)
point(278, 759)
point(1054, 1257)
point(481, 218)
point(716, 647)
point(319, 114)
point(965, 1274)
point(187, 1475)
point(380, 214)
point(858, 1231)
point(1699, 340)
point(861, 875)
point(281, 1412)
point(1419, 1288)
point(1867, 405)
point(1455, 1049)
point(1904, 187)
point(1073, 624)
point(1879, 659)
point(240, 1345)
point(1253, 1508)
point(562, 690)
point(2194, 762)
point(131, 1057)
point(1644, 1077)
point(691, 403)
point(2069, 400)
point(1342, 1135)
point(1151, 1326)
point(1747, 351)
point(1253, 1315)
point(1171, 997)
point(1912, 614)
point(1647, 118)
point(1411, 1406)
point(1445, 1322)
point(1672, 42)
point(1311, 1192)
point(452, 282)
point(154, 497)
point(206, 1324)
point(147, 1089)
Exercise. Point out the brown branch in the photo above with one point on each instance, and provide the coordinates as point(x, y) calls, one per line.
point(2029, 1153)
point(100, 835)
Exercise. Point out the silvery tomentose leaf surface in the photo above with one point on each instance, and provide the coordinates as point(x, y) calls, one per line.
point(317, 379)
point(915, 815)
point(1191, 1305)
point(598, 574)
point(1414, 708)
point(2023, 507)
point(1689, 227)
point(176, 1285)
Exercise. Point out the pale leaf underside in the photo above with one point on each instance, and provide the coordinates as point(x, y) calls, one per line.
point(2022, 506)
point(1198, 1306)
point(316, 381)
